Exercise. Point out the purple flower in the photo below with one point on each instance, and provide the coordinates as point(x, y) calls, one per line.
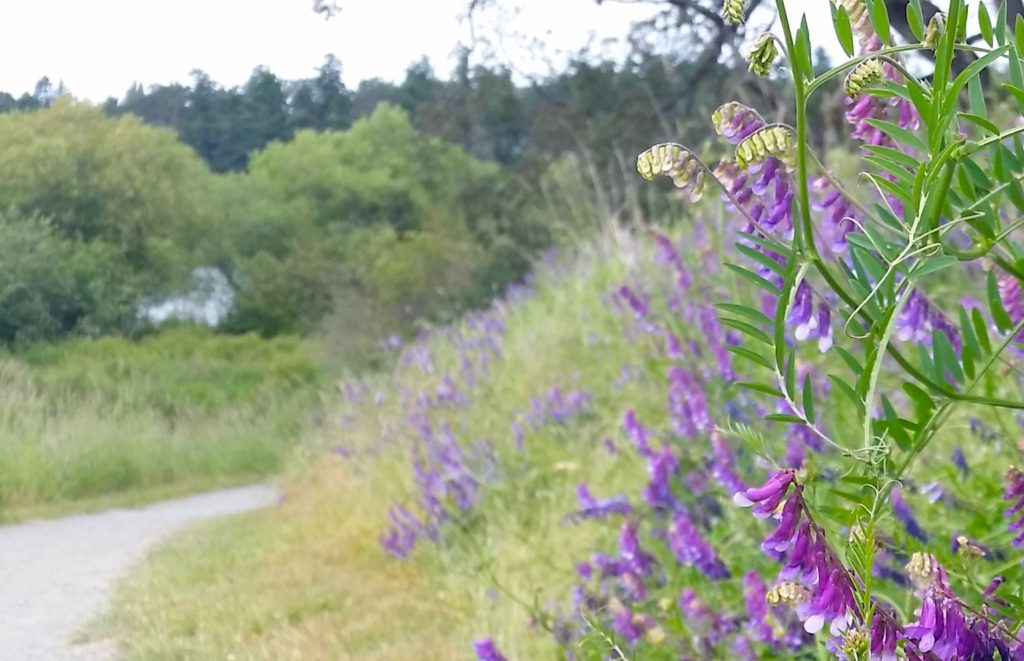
point(692, 549)
point(723, 462)
point(1015, 493)
point(661, 468)
point(631, 626)
point(755, 595)
point(487, 651)
point(687, 404)
point(901, 509)
point(668, 254)
point(832, 600)
point(960, 461)
point(735, 121)
point(629, 548)
point(636, 433)
point(914, 322)
point(595, 508)
point(637, 303)
point(885, 632)
point(801, 315)
point(766, 498)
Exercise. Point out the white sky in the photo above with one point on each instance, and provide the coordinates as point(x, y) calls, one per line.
point(100, 47)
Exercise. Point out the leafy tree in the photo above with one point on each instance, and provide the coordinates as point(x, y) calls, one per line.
point(117, 181)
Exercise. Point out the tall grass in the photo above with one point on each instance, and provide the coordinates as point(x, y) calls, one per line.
point(84, 419)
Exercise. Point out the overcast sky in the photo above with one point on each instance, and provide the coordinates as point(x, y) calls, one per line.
point(100, 47)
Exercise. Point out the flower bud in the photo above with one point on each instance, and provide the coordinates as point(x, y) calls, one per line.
point(675, 162)
point(868, 73)
point(775, 141)
point(936, 28)
point(762, 55)
point(734, 11)
point(788, 593)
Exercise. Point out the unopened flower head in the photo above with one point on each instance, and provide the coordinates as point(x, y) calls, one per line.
point(788, 593)
point(675, 162)
point(734, 11)
point(867, 74)
point(762, 55)
point(936, 28)
point(922, 568)
point(775, 141)
point(735, 121)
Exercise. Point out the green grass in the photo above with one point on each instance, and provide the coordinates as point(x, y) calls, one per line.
point(309, 581)
point(185, 409)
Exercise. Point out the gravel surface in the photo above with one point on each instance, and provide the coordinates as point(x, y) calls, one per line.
point(56, 575)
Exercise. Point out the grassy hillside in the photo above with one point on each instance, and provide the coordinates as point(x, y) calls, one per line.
point(178, 410)
point(553, 361)
point(511, 412)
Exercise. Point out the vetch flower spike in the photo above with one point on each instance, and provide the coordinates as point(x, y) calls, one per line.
point(868, 73)
point(734, 11)
point(762, 55)
point(676, 162)
point(772, 141)
point(735, 121)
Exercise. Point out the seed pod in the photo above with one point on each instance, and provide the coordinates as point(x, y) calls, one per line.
point(676, 162)
point(762, 55)
point(868, 73)
point(774, 141)
point(734, 11)
point(936, 28)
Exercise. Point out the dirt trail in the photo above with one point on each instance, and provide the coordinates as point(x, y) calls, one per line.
point(56, 575)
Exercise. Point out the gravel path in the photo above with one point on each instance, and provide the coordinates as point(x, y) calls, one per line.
point(57, 575)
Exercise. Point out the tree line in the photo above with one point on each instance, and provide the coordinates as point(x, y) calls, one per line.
point(367, 208)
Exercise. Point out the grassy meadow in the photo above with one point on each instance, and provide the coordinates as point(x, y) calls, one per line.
point(92, 422)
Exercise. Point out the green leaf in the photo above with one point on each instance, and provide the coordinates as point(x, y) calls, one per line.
point(759, 387)
point(844, 31)
point(784, 417)
point(1001, 24)
point(808, 398)
point(802, 56)
point(971, 71)
point(761, 258)
point(1018, 94)
point(933, 265)
point(791, 375)
point(922, 102)
point(894, 425)
point(753, 278)
point(967, 333)
point(750, 313)
point(1018, 33)
point(995, 304)
point(945, 357)
point(752, 356)
point(985, 24)
point(915, 19)
point(847, 390)
point(895, 155)
point(923, 402)
point(879, 16)
point(981, 331)
point(979, 121)
point(967, 359)
point(899, 134)
point(747, 329)
point(849, 359)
